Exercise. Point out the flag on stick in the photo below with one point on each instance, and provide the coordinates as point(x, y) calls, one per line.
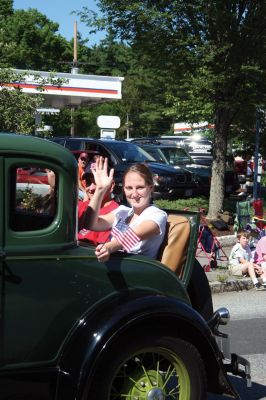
point(125, 235)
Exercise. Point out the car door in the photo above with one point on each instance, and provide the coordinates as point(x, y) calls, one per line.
point(29, 201)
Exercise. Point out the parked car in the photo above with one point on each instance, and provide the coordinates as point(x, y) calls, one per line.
point(200, 149)
point(178, 157)
point(73, 328)
point(170, 183)
point(32, 181)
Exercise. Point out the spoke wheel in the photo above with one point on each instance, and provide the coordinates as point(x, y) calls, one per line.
point(152, 374)
point(154, 369)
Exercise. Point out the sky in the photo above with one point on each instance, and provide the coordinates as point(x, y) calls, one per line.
point(60, 11)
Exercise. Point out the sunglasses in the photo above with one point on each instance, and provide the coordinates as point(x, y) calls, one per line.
point(83, 159)
point(89, 180)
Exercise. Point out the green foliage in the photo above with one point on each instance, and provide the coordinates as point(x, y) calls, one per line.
point(197, 203)
point(223, 278)
point(30, 201)
point(263, 180)
point(17, 109)
point(29, 40)
point(144, 101)
point(6, 9)
point(193, 204)
point(210, 56)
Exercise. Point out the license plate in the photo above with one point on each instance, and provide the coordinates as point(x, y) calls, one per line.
point(228, 188)
point(188, 192)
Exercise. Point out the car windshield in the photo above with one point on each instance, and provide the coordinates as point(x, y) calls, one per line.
point(176, 155)
point(157, 154)
point(199, 147)
point(129, 152)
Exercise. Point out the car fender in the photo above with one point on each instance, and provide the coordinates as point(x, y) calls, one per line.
point(131, 313)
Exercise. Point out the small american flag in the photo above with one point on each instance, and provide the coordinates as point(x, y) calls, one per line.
point(125, 235)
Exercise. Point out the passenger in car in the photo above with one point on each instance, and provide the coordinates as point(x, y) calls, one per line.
point(108, 205)
point(137, 229)
point(83, 161)
point(49, 201)
point(94, 158)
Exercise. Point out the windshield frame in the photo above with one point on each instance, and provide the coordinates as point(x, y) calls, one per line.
point(176, 160)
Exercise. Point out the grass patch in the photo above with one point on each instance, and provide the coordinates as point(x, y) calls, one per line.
point(180, 204)
point(222, 277)
point(195, 203)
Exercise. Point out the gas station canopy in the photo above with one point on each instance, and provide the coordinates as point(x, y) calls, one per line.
point(76, 89)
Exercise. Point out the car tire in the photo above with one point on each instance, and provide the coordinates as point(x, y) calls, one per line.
point(152, 368)
point(199, 292)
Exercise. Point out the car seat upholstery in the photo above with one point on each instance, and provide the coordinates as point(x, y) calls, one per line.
point(173, 251)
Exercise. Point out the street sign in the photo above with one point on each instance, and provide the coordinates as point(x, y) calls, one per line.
point(108, 122)
point(108, 133)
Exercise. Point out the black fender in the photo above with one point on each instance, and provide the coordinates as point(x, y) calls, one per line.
point(131, 314)
point(199, 291)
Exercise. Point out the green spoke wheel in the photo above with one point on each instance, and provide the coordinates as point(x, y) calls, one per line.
point(156, 369)
point(152, 374)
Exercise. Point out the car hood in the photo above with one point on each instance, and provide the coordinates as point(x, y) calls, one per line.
point(202, 170)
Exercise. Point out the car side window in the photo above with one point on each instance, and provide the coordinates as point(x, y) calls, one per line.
point(101, 150)
point(33, 197)
point(74, 144)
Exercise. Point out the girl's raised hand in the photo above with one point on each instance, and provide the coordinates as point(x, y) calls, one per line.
point(102, 179)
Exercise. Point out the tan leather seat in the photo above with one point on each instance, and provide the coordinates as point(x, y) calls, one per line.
point(174, 248)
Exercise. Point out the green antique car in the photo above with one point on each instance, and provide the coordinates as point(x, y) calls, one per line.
point(74, 328)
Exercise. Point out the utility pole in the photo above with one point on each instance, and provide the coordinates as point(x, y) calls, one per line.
point(256, 157)
point(75, 52)
point(74, 70)
point(127, 123)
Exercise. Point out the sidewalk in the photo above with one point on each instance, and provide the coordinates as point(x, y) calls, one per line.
point(220, 281)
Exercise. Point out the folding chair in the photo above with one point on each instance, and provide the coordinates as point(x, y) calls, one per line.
point(244, 216)
point(209, 246)
point(249, 217)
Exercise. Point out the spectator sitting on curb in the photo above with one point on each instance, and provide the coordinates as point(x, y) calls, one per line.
point(260, 257)
point(240, 261)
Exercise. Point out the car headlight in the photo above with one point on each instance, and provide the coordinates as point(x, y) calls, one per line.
point(195, 177)
point(161, 179)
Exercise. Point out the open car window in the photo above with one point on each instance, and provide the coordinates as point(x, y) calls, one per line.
point(33, 197)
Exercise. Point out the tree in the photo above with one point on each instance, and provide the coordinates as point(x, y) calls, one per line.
point(6, 9)
point(17, 109)
point(214, 55)
point(30, 41)
point(143, 102)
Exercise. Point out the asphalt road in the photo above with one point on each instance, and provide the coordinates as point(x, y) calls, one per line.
point(247, 330)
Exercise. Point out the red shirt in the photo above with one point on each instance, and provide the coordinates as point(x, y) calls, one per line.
point(82, 181)
point(92, 236)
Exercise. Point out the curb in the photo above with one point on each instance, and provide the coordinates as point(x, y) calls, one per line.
point(232, 285)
